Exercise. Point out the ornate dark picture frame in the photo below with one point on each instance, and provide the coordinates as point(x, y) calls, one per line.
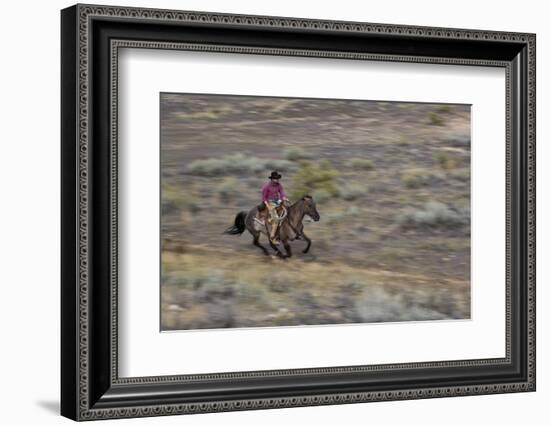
point(90, 385)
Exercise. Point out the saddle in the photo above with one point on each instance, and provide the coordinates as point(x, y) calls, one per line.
point(262, 216)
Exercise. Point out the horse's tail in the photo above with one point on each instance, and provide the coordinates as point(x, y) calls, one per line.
point(239, 226)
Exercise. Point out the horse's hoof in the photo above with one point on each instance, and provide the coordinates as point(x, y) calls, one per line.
point(305, 251)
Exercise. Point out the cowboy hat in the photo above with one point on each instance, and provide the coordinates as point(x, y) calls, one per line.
point(275, 175)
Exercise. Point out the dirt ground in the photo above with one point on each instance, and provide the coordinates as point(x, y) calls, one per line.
point(392, 185)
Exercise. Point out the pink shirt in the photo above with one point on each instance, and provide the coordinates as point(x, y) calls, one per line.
point(273, 191)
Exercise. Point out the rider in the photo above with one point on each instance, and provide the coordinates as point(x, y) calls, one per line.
point(272, 195)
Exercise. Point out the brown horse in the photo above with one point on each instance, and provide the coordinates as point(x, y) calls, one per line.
point(290, 229)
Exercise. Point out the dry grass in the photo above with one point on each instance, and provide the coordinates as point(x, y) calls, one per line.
point(242, 291)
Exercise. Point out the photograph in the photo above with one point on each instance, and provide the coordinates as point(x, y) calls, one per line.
point(283, 211)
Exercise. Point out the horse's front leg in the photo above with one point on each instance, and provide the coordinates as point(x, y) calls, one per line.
point(287, 248)
point(308, 243)
point(274, 247)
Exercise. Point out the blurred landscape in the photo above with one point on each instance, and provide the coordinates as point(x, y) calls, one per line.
point(392, 185)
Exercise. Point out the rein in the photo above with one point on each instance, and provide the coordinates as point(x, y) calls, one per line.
point(283, 215)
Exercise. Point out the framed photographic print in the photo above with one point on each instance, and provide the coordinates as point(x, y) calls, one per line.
point(263, 212)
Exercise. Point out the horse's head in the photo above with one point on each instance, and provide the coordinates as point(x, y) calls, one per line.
point(310, 208)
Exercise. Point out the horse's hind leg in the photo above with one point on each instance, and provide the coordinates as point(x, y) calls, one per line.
point(256, 242)
point(308, 243)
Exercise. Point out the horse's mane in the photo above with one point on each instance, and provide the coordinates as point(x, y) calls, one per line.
point(304, 198)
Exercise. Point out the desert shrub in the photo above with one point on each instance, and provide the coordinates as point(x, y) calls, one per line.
point(321, 195)
point(462, 175)
point(208, 113)
point(312, 177)
point(238, 163)
point(187, 289)
point(435, 119)
point(448, 161)
point(178, 279)
point(174, 245)
point(174, 199)
point(233, 163)
point(434, 215)
point(189, 202)
point(280, 165)
point(340, 215)
point(281, 283)
point(211, 287)
point(377, 305)
point(403, 141)
point(458, 140)
point(248, 293)
point(416, 178)
point(444, 109)
point(353, 191)
point(295, 153)
point(219, 314)
point(360, 163)
point(228, 189)
point(208, 167)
